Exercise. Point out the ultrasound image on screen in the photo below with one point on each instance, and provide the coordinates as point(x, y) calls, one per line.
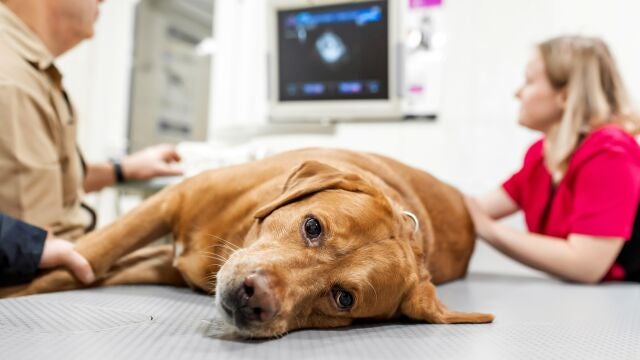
point(335, 52)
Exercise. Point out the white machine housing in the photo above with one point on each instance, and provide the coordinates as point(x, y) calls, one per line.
point(390, 108)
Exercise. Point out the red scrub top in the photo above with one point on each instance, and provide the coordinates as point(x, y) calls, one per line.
point(598, 195)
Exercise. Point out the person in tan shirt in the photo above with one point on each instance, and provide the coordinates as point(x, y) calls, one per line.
point(42, 174)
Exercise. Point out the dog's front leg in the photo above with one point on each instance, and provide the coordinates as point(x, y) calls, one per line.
point(104, 247)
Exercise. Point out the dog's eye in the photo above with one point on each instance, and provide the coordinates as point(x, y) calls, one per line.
point(312, 228)
point(342, 298)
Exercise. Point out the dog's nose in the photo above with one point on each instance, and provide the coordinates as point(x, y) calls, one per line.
point(261, 298)
point(253, 300)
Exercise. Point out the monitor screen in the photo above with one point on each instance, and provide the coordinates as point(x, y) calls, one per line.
point(336, 52)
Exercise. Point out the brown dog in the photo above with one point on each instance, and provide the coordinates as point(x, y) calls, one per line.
point(308, 238)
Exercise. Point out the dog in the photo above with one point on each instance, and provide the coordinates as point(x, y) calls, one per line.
point(311, 238)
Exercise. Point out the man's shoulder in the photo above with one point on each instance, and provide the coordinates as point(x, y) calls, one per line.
point(15, 71)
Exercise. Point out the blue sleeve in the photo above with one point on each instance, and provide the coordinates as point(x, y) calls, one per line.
point(21, 247)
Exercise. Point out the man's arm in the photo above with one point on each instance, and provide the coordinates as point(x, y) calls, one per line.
point(154, 161)
point(99, 176)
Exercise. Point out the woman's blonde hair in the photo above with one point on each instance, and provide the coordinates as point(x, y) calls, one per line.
point(595, 95)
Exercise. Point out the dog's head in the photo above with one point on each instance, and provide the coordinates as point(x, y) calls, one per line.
point(330, 249)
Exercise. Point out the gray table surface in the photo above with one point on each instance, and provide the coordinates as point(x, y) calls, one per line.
point(535, 319)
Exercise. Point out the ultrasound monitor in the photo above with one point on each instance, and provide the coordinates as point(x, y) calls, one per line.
point(334, 61)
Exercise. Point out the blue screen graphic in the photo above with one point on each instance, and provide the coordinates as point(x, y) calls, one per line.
point(337, 52)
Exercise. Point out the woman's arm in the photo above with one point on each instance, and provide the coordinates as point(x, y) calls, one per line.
point(497, 204)
point(580, 258)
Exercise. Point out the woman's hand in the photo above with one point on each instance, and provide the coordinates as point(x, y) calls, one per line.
point(485, 226)
point(59, 252)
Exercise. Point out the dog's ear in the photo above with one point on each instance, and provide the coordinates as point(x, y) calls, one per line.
point(421, 303)
point(311, 177)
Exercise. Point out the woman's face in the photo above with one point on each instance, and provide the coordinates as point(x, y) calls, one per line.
point(541, 106)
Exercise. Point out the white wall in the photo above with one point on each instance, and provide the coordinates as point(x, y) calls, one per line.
point(96, 75)
point(475, 144)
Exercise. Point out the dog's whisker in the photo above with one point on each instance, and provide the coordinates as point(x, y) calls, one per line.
point(214, 256)
point(234, 246)
point(208, 252)
point(224, 246)
point(225, 241)
point(217, 247)
point(216, 261)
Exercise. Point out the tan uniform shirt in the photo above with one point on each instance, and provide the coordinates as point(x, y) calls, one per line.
point(40, 168)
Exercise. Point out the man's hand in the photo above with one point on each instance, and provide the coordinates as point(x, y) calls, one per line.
point(153, 161)
point(59, 252)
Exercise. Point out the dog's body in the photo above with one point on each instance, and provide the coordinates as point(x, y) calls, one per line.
point(313, 225)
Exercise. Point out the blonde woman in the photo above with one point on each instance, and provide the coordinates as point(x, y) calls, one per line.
point(579, 185)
